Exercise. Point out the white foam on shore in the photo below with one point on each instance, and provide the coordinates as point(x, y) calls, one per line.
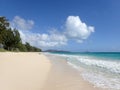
point(98, 80)
point(102, 81)
point(111, 66)
point(107, 74)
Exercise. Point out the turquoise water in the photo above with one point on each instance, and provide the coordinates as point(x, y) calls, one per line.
point(102, 69)
point(100, 55)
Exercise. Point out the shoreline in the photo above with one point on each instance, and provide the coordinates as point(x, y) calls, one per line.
point(64, 77)
point(37, 71)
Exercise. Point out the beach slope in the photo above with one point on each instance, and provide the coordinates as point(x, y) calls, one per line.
point(23, 71)
point(35, 71)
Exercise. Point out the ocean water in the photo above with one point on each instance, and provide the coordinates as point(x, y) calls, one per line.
point(102, 69)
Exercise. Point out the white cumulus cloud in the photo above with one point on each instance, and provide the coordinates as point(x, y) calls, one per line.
point(22, 24)
point(74, 29)
point(43, 40)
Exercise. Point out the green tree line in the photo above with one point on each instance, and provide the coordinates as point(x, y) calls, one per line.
point(10, 38)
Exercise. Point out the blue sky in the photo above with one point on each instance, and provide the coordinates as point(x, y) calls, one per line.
point(51, 24)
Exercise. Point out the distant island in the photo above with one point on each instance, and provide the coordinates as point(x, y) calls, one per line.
point(51, 50)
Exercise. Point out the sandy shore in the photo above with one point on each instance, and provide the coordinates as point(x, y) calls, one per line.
point(34, 71)
point(63, 77)
point(23, 71)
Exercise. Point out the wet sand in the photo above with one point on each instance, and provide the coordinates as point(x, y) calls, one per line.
point(63, 77)
point(35, 71)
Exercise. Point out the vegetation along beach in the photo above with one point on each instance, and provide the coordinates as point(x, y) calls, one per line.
point(59, 45)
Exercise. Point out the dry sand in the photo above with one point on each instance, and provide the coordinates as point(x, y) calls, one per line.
point(34, 71)
point(23, 71)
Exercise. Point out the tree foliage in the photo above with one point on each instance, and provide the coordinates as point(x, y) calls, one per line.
point(10, 38)
point(31, 48)
point(3, 23)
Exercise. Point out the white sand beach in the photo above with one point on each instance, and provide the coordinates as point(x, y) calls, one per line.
point(34, 71)
point(23, 71)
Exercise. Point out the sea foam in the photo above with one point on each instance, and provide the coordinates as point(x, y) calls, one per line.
point(101, 73)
